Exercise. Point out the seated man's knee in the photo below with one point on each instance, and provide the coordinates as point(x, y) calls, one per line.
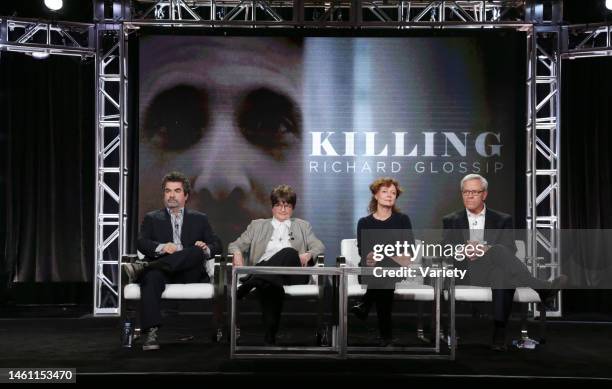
point(498, 253)
point(152, 276)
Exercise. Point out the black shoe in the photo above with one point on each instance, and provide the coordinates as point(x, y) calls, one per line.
point(133, 270)
point(360, 311)
point(249, 285)
point(151, 342)
point(548, 296)
point(386, 342)
point(559, 282)
point(499, 339)
point(245, 288)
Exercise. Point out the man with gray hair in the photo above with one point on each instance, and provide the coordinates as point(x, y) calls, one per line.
point(496, 266)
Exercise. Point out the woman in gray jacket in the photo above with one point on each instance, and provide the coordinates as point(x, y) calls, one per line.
point(279, 241)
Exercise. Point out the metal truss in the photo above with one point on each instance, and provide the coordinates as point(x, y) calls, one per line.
point(111, 166)
point(543, 152)
point(45, 37)
point(580, 41)
point(320, 12)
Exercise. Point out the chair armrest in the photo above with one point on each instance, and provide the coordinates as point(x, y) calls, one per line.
point(320, 262)
point(320, 278)
point(431, 261)
point(229, 265)
point(447, 263)
point(218, 275)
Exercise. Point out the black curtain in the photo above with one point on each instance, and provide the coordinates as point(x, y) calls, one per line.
point(48, 135)
point(586, 167)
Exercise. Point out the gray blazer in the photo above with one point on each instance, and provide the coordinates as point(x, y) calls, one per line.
point(253, 242)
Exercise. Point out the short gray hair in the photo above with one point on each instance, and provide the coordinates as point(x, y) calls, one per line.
point(483, 181)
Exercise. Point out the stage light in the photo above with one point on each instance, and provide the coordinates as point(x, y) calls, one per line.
point(54, 5)
point(609, 4)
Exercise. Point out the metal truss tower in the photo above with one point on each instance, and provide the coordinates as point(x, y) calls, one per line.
point(111, 160)
point(543, 143)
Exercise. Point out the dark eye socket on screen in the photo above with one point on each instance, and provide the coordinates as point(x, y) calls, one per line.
point(270, 120)
point(176, 117)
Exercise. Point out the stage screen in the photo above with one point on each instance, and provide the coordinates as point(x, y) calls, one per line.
point(327, 115)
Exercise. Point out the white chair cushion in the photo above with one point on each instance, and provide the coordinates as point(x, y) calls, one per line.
point(348, 249)
point(412, 291)
point(301, 290)
point(526, 295)
point(197, 291)
point(484, 294)
point(356, 290)
point(471, 293)
point(209, 265)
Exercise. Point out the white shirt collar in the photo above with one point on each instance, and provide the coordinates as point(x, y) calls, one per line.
point(276, 223)
point(480, 214)
point(180, 213)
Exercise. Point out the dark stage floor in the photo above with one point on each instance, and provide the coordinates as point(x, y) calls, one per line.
point(92, 345)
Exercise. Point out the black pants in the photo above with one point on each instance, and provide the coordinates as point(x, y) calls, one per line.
point(270, 288)
point(383, 298)
point(185, 266)
point(502, 271)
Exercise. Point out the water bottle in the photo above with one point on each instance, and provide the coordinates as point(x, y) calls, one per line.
point(127, 337)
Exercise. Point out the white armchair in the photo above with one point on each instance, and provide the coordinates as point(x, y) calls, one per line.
point(522, 295)
point(408, 290)
point(313, 291)
point(211, 293)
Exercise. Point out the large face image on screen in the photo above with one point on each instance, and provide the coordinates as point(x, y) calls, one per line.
point(240, 115)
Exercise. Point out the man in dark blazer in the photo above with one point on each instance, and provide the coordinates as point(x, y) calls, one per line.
point(496, 266)
point(176, 243)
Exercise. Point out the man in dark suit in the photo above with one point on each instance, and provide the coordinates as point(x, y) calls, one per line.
point(176, 243)
point(496, 266)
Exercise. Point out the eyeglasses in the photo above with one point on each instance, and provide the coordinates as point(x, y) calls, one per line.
point(471, 192)
point(284, 205)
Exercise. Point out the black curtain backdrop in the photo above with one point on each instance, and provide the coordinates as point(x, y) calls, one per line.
point(47, 127)
point(586, 166)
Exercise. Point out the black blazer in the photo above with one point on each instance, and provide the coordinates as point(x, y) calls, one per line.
point(156, 228)
point(457, 230)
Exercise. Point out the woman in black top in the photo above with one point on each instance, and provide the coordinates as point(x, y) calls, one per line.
point(384, 215)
